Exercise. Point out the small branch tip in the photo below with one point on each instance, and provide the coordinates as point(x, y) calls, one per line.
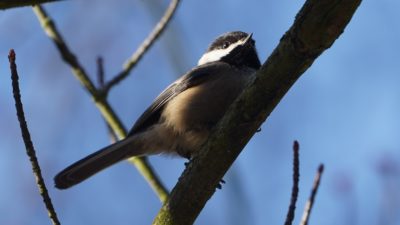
point(321, 168)
point(11, 55)
point(100, 71)
point(296, 145)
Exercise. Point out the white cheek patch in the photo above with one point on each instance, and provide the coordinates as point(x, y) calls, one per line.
point(217, 54)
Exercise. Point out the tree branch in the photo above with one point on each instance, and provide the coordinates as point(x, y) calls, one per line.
point(70, 58)
point(100, 71)
point(30, 150)
point(7, 4)
point(310, 202)
point(100, 81)
point(295, 187)
point(316, 27)
point(144, 47)
point(99, 99)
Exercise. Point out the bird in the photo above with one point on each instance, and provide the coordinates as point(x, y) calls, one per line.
point(181, 118)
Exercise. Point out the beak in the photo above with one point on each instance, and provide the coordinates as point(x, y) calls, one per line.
point(247, 39)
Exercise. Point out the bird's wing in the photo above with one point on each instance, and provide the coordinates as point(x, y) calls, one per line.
point(194, 77)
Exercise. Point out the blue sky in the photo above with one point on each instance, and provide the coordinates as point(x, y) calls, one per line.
point(344, 111)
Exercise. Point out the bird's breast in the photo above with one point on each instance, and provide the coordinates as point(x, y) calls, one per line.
point(195, 111)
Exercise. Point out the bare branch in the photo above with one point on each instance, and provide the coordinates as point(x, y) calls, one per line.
point(316, 27)
point(143, 48)
point(7, 4)
point(50, 28)
point(100, 80)
point(295, 188)
point(100, 71)
point(99, 99)
point(30, 150)
point(310, 202)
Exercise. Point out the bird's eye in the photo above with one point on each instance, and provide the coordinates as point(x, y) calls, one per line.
point(225, 44)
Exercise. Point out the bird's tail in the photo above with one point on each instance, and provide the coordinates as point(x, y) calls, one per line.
point(93, 163)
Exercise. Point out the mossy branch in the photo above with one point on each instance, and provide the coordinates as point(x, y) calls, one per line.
point(318, 24)
point(99, 99)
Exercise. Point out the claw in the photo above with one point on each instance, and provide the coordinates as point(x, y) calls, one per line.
point(219, 186)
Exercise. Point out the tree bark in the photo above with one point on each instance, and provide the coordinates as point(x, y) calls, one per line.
point(318, 24)
point(7, 4)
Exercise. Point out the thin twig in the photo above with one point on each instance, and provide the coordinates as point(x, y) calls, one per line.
point(143, 48)
point(99, 99)
point(50, 28)
point(100, 80)
point(30, 150)
point(310, 202)
point(100, 71)
point(295, 188)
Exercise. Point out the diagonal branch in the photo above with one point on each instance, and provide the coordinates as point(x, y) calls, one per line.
point(310, 202)
point(69, 57)
point(99, 99)
point(30, 150)
point(143, 48)
point(318, 24)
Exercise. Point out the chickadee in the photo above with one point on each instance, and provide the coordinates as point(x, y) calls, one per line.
point(180, 119)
